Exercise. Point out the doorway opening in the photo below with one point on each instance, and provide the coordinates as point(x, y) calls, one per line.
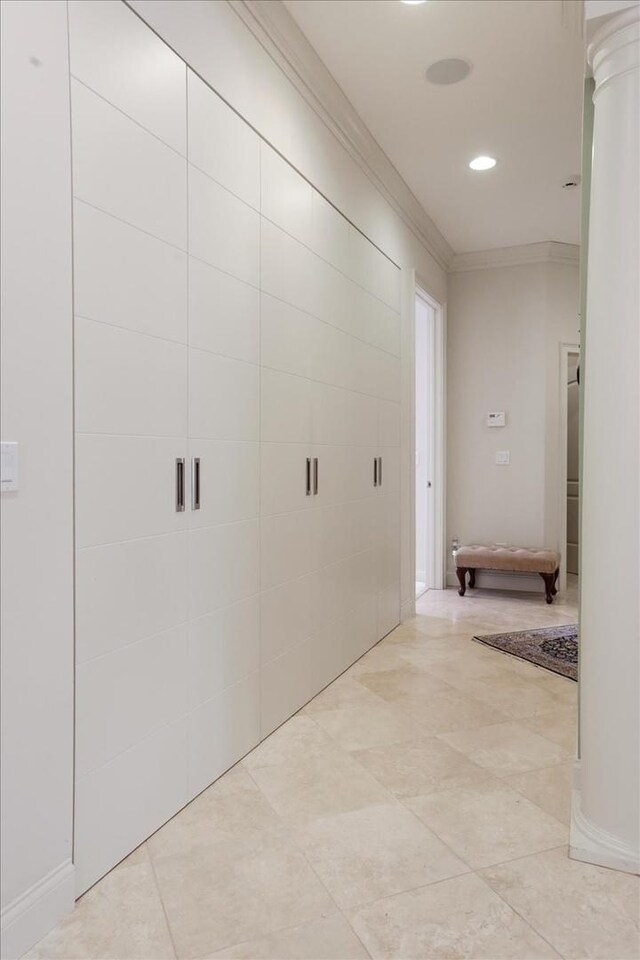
point(569, 487)
point(429, 444)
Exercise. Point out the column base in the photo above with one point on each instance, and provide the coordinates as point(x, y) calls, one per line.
point(590, 844)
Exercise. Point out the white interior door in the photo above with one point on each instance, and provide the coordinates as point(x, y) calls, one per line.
point(131, 385)
point(424, 443)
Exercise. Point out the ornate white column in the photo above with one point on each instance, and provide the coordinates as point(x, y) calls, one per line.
point(605, 826)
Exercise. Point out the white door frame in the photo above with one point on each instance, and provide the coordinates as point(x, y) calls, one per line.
point(566, 350)
point(438, 374)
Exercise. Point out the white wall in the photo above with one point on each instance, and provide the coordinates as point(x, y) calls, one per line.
point(504, 329)
point(215, 42)
point(37, 520)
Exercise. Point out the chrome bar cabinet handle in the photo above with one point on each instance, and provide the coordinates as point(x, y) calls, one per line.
point(195, 483)
point(308, 476)
point(179, 484)
point(315, 476)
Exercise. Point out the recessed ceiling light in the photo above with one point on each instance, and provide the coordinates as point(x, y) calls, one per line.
point(450, 70)
point(413, 3)
point(483, 163)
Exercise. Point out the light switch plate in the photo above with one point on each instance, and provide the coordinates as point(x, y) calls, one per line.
point(496, 419)
point(503, 457)
point(8, 467)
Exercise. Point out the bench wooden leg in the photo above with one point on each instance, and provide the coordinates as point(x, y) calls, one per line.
point(555, 581)
point(472, 577)
point(549, 585)
point(462, 574)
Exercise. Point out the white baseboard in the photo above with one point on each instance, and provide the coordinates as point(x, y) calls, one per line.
point(590, 844)
point(407, 610)
point(502, 580)
point(37, 911)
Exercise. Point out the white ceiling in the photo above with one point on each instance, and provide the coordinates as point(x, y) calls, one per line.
point(521, 103)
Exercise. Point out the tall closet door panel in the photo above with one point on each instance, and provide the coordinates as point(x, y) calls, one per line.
point(285, 408)
point(285, 476)
point(285, 616)
point(127, 695)
point(285, 686)
point(122, 169)
point(128, 383)
point(223, 230)
point(331, 411)
point(286, 335)
point(289, 270)
point(221, 731)
point(229, 472)
point(224, 649)
point(149, 296)
point(224, 398)
point(223, 566)
point(388, 562)
point(389, 423)
point(286, 197)
point(334, 540)
point(148, 579)
point(126, 487)
point(108, 43)
point(285, 650)
point(329, 233)
point(122, 803)
point(287, 547)
point(221, 144)
point(224, 313)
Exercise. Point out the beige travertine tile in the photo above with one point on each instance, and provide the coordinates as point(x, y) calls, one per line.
point(121, 916)
point(450, 712)
point(318, 787)
point(469, 668)
point(231, 808)
point(506, 748)
point(559, 725)
point(230, 892)
point(425, 652)
point(405, 682)
point(419, 767)
point(459, 918)
point(510, 694)
point(356, 728)
point(371, 853)
point(550, 788)
point(381, 657)
point(488, 823)
point(330, 938)
point(343, 692)
point(298, 738)
point(583, 910)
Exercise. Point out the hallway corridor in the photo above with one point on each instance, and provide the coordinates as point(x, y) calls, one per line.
point(418, 808)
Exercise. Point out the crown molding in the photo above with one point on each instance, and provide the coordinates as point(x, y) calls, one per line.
point(550, 251)
point(277, 32)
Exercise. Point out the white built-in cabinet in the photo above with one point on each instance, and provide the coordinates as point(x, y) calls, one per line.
point(224, 312)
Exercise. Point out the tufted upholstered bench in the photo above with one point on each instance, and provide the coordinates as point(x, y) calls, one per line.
point(476, 556)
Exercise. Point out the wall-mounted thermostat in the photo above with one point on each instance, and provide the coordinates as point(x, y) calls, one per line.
point(496, 419)
point(503, 457)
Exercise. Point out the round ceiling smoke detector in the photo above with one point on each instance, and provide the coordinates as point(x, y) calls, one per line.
point(450, 70)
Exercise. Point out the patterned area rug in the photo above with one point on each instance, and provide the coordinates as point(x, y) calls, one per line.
point(555, 648)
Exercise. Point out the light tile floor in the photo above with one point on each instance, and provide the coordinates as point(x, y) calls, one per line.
point(416, 808)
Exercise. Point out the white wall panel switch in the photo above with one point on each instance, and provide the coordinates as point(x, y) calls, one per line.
point(496, 419)
point(503, 457)
point(8, 467)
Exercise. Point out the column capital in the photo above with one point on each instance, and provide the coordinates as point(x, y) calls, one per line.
point(615, 47)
